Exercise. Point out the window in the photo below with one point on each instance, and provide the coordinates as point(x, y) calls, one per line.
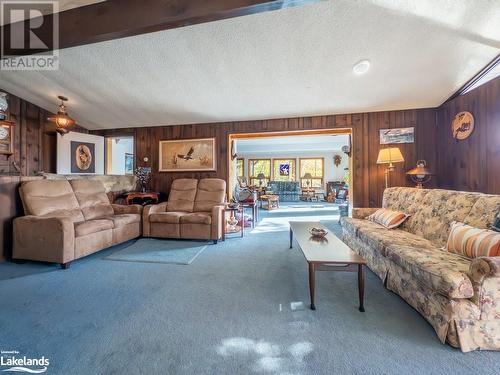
point(120, 155)
point(240, 168)
point(256, 167)
point(283, 169)
point(314, 166)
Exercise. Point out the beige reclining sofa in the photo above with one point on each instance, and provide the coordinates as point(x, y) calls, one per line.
point(194, 211)
point(67, 220)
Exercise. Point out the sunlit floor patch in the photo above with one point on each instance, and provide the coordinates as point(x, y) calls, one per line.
point(266, 356)
point(297, 306)
point(280, 224)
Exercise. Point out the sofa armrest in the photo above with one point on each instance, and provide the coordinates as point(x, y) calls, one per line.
point(124, 209)
point(363, 212)
point(42, 238)
point(217, 224)
point(484, 273)
point(148, 210)
point(154, 208)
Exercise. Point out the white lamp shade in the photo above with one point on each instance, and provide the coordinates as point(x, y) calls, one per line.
point(390, 155)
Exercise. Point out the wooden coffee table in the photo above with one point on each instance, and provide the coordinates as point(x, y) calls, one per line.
point(326, 254)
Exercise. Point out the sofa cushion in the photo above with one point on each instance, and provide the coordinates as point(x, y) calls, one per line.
point(92, 226)
point(182, 195)
point(390, 199)
point(388, 218)
point(197, 218)
point(473, 242)
point(124, 219)
point(166, 217)
point(211, 191)
point(92, 198)
point(440, 208)
point(378, 237)
point(441, 271)
point(484, 211)
point(50, 197)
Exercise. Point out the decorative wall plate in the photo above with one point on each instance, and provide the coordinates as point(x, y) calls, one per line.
point(462, 125)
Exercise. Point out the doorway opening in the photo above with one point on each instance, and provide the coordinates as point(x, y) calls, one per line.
point(119, 158)
point(292, 171)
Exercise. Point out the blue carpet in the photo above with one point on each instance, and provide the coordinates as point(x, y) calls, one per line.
point(155, 250)
point(240, 308)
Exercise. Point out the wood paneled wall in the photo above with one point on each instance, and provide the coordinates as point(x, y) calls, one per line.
point(35, 148)
point(368, 177)
point(35, 142)
point(472, 164)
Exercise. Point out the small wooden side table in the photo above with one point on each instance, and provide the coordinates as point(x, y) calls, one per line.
point(129, 197)
point(238, 229)
point(272, 202)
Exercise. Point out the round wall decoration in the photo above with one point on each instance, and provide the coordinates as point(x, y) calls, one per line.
point(83, 157)
point(462, 125)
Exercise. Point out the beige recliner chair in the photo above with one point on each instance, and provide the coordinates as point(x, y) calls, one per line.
point(194, 211)
point(67, 220)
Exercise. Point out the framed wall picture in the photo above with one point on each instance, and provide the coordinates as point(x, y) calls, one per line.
point(187, 155)
point(82, 157)
point(129, 163)
point(397, 135)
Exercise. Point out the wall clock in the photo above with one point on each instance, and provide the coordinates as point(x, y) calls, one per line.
point(6, 137)
point(462, 125)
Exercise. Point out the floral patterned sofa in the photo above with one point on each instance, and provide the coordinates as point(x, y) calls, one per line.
point(459, 297)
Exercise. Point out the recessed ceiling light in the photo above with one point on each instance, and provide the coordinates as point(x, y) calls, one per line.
point(361, 67)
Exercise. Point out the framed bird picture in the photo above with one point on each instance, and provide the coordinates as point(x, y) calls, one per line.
point(187, 155)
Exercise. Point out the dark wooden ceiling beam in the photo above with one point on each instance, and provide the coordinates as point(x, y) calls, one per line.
point(115, 19)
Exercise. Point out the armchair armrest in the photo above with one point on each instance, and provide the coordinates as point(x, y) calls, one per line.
point(362, 212)
point(123, 209)
point(484, 273)
point(154, 208)
point(217, 221)
point(148, 210)
point(42, 238)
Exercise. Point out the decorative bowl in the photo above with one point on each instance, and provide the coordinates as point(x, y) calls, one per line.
point(318, 232)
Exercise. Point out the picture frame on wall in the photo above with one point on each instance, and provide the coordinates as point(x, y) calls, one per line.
point(397, 135)
point(82, 157)
point(129, 163)
point(187, 155)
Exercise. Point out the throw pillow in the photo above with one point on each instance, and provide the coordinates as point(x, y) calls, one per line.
point(388, 218)
point(473, 242)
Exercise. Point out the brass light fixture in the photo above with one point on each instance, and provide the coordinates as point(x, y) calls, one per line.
point(389, 156)
point(62, 120)
point(420, 175)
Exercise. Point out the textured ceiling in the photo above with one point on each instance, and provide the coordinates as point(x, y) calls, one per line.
point(292, 144)
point(286, 63)
point(63, 5)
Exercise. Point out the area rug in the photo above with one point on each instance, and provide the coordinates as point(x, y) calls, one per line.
point(154, 250)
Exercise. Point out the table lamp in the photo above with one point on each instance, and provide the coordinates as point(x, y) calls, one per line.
point(389, 156)
point(420, 175)
point(261, 177)
point(308, 177)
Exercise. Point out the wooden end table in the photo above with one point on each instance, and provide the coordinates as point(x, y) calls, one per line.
point(129, 197)
point(272, 202)
point(327, 254)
